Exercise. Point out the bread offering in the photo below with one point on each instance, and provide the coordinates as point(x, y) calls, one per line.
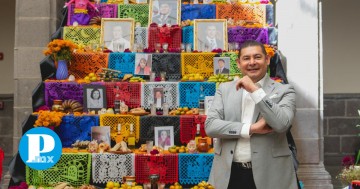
point(71, 106)
point(120, 148)
point(138, 111)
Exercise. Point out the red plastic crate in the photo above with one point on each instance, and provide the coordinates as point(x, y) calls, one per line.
point(169, 35)
point(128, 92)
point(166, 165)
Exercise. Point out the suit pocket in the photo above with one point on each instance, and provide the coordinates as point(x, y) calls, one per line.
point(217, 146)
point(280, 146)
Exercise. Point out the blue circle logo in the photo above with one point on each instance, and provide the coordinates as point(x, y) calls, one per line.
point(40, 148)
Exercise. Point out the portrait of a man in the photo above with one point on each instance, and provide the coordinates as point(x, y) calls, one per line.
point(210, 35)
point(117, 34)
point(165, 12)
point(94, 97)
point(221, 65)
point(159, 99)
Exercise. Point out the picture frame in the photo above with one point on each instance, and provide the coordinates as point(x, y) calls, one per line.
point(143, 64)
point(221, 65)
point(208, 103)
point(94, 97)
point(164, 136)
point(159, 98)
point(210, 34)
point(101, 134)
point(117, 34)
point(165, 12)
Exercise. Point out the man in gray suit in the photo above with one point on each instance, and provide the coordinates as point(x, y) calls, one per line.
point(250, 117)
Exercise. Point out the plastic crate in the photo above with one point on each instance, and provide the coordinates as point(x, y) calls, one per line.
point(190, 92)
point(84, 63)
point(128, 92)
point(125, 121)
point(112, 167)
point(72, 168)
point(169, 35)
point(241, 34)
point(201, 63)
point(139, 12)
point(62, 91)
point(198, 11)
point(166, 165)
point(170, 89)
point(169, 63)
point(194, 168)
point(105, 11)
point(124, 62)
point(148, 124)
point(188, 127)
point(74, 128)
point(82, 35)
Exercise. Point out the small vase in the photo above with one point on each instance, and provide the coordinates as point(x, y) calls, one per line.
point(62, 70)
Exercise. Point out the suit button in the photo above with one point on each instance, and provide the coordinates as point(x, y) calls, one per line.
point(231, 152)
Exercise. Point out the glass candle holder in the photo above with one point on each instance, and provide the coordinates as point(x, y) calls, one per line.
point(236, 46)
point(163, 76)
point(157, 47)
point(188, 47)
point(165, 47)
point(182, 47)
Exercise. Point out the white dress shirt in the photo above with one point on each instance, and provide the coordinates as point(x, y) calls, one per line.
point(243, 149)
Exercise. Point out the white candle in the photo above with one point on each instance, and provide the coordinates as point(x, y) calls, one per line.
point(119, 127)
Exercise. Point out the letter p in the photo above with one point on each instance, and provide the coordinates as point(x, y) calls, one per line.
point(34, 145)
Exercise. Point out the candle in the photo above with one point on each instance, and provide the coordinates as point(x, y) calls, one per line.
point(119, 128)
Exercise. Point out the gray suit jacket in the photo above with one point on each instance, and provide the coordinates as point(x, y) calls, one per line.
point(270, 155)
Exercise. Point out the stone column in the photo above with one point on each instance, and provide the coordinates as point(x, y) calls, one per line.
point(35, 21)
point(300, 42)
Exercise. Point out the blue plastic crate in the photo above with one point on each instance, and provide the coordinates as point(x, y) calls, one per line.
point(188, 35)
point(190, 92)
point(124, 62)
point(74, 128)
point(194, 168)
point(198, 11)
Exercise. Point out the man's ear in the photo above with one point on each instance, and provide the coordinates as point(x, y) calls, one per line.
point(267, 59)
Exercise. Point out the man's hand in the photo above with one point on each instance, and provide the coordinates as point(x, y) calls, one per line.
point(247, 84)
point(260, 127)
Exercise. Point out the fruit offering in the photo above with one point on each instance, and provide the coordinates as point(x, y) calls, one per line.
point(184, 110)
point(192, 77)
point(220, 78)
point(178, 149)
point(90, 78)
point(203, 185)
point(136, 79)
point(175, 186)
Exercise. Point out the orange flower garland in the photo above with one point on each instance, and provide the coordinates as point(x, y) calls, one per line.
point(48, 118)
point(269, 50)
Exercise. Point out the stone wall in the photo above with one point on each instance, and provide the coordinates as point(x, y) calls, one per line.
point(340, 134)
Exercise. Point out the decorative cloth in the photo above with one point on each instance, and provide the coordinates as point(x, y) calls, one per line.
point(112, 167)
point(194, 168)
point(198, 11)
point(166, 165)
point(170, 91)
point(74, 168)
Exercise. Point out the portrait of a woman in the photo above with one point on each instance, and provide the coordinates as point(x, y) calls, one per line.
point(94, 97)
point(164, 139)
point(142, 68)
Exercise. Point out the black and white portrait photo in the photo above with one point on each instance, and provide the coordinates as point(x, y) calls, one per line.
point(94, 97)
point(165, 12)
point(210, 34)
point(117, 34)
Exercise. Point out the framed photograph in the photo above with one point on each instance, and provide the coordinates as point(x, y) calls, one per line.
point(117, 34)
point(221, 65)
point(94, 97)
point(164, 136)
point(208, 103)
point(210, 34)
point(101, 134)
point(165, 12)
point(159, 98)
point(143, 63)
